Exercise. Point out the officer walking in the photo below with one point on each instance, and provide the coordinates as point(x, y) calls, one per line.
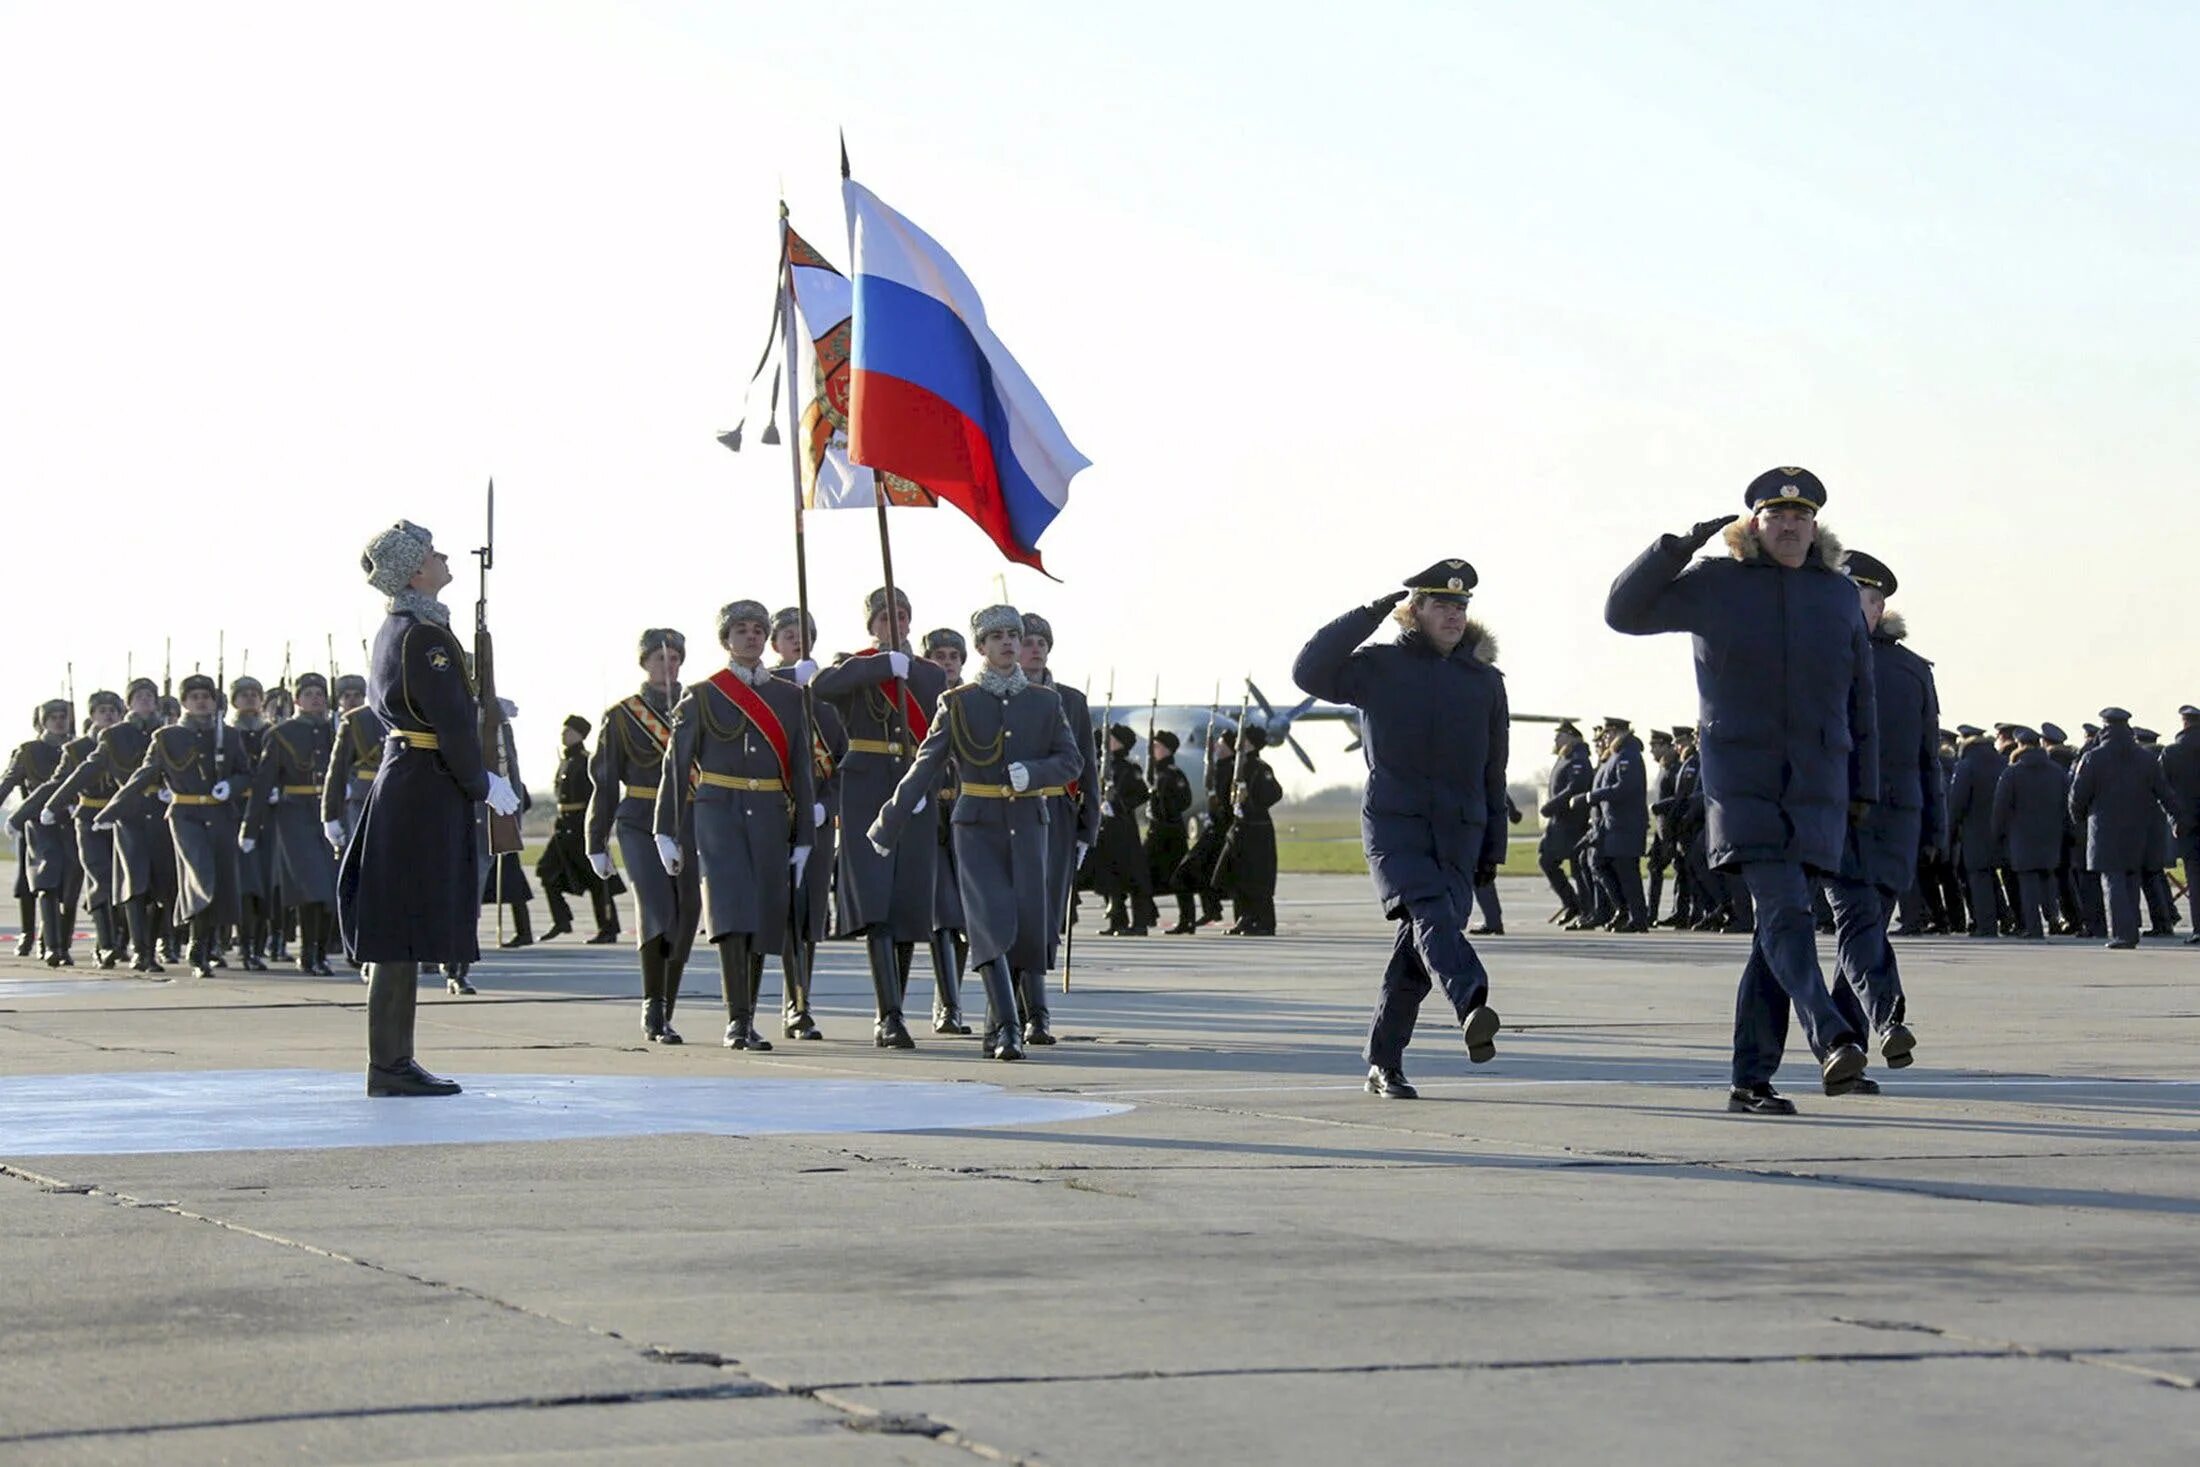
point(33, 763)
point(1435, 730)
point(2031, 806)
point(2120, 790)
point(1971, 818)
point(1790, 726)
point(563, 867)
point(407, 888)
point(947, 649)
point(1119, 872)
point(2181, 767)
point(70, 861)
point(1073, 816)
point(1620, 797)
point(85, 781)
point(1566, 820)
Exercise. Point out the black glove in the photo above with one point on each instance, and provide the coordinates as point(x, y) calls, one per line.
point(1856, 811)
point(1701, 535)
point(1381, 605)
point(1485, 872)
point(1513, 817)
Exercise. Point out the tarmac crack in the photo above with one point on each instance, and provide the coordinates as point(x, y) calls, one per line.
point(2102, 1359)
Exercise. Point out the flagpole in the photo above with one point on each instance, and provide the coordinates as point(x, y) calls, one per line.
point(794, 425)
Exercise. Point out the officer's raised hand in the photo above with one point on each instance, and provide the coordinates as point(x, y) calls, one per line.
point(1700, 534)
point(1382, 605)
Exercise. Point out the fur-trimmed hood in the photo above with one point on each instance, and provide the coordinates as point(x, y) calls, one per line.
point(1892, 626)
point(1744, 544)
point(1479, 640)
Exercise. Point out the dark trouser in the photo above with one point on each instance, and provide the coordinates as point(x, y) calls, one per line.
point(561, 911)
point(2035, 902)
point(393, 993)
point(1554, 871)
point(2161, 906)
point(2089, 902)
point(1430, 943)
point(2192, 885)
point(1782, 970)
point(2123, 905)
point(950, 951)
point(1985, 900)
point(1867, 989)
point(1493, 912)
point(1625, 874)
point(1911, 909)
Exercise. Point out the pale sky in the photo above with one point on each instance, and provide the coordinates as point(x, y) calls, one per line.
point(1324, 292)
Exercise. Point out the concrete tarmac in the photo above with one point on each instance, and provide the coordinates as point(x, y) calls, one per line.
point(1219, 1251)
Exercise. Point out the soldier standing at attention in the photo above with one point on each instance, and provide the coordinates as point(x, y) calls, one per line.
point(1166, 843)
point(794, 636)
point(1565, 822)
point(201, 762)
point(1436, 731)
point(32, 764)
point(945, 648)
point(1073, 819)
point(291, 781)
point(884, 696)
point(1119, 860)
point(407, 889)
point(86, 780)
point(1012, 746)
point(631, 740)
point(1790, 757)
point(1885, 843)
point(740, 742)
point(2119, 792)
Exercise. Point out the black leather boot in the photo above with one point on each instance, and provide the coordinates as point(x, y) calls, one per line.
point(144, 952)
point(523, 927)
point(202, 945)
point(794, 1018)
point(653, 991)
point(51, 931)
point(756, 992)
point(393, 995)
point(252, 936)
point(103, 936)
point(889, 1032)
point(675, 970)
point(737, 978)
point(26, 916)
point(947, 1016)
point(561, 914)
point(1033, 988)
point(1002, 1042)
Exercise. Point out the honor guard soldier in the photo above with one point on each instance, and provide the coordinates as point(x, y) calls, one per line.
point(354, 756)
point(1013, 749)
point(202, 765)
point(70, 860)
point(503, 879)
point(885, 698)
point(143, 885)
point(1790, 753)
point(1247, 870)
point(85, 782)
point(31, 765)
point(292, 780)
point(946, 649)
point(631, 740)
point(1074, 817)
point(1167, 844)
point(563, 868)
point(794, 637)
point(406, 889)
point(741, 743)
point(1436, 730)
point(1565, 821)
point(1197, 873)
point(2119, 792)
point(1119, 871)
point(255, 888)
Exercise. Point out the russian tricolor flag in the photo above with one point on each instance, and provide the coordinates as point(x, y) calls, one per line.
point(936, 397)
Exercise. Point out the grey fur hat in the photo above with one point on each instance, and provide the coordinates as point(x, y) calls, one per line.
point(744, 610)
point(142, 682)
point(874, 605)
point(306, 680)
point(657, 637)
point(999, 619)
point(787, 616)
point(48, 709)
point(393, 557)
point(1036, 625)
point(105, 697)
point(350, 682)
point(940, 637)
point(246, 682)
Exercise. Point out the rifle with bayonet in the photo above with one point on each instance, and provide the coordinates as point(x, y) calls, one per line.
point(504, 836)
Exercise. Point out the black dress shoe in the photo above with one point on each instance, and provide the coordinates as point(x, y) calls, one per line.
point(669, 1035)
point(802, 1026)
point(891, 1033)
point(321, 969)
point(201, 970)
point(406, 1078)
point(1486, 930)
point(1862, 1085)
point(147, 966)
point(1758, 1100)
point(557, 929)
point(107, 960)
point(603, 935)
point(949, 1024)
point(456, 983)
point(1036, 1032)
point(653, 1018)
point(252, 963)
point(1898, 1047)
point(1001, 1044)
point(1391, 1084)
point(1186, 929)
point(26, 945)
point(1480, 1030)
point(2193, 941)
point(2119, 945)
point(516, 940)
point(1843, 1063)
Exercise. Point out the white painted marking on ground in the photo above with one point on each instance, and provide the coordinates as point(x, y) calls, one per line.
point(1896, 1084)
point(291, 1110)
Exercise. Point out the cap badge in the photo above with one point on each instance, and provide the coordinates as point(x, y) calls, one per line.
point(1454, 583)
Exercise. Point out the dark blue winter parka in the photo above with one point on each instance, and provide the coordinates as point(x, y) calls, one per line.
point(1622, 795)
point(1435, 731)
point(2119, 794)
point(1789, 719)
point(1912, 812)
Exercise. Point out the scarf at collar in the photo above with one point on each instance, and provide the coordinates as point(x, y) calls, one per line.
point(422, 605)
point(1003, 684)
point(756, 677)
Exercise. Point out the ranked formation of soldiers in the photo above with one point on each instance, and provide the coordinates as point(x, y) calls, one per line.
point(888, 799)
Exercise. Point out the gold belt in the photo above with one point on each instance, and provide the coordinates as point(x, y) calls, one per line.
point(641, 791)
point(419, 739)
point(1005, 792)
point(875, 746)
point(90, 802)
point(736, 782)
point(301, 789)
point(572, 809)
point(196, 800)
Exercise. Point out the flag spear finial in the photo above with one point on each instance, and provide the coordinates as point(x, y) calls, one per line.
point(844, 152)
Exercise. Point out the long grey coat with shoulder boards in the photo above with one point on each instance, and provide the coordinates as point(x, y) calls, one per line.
point(892, 891)
point(1789, 718)
point(1000, 837)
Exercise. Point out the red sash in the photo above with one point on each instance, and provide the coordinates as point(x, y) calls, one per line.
point(919, 725)
point(759, 712)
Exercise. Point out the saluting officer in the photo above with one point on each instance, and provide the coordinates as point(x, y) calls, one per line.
point(407, 889)
point(880, 692)
point(1435, 729)
point(292, 775)
point(1013, 750)
point(794, 637)
point(628, 768)
point(741, 740)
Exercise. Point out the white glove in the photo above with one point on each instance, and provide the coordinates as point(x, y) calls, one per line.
point(275, 797)
point(103, 825)
point(46, 816)
point(501, 798)
point(899, 662)
point(220, 791)
point(600, 863)
point(1107, 810)
point(668, 854)
point(1237, 812)
point(918, 807)
point(803, 672)
point(334, 830)
point(880, 846)
point(1083, 849)
point(1019, 776)
point(817, 815)
point(167, 795)
point(245, 843)
point(799, 860)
